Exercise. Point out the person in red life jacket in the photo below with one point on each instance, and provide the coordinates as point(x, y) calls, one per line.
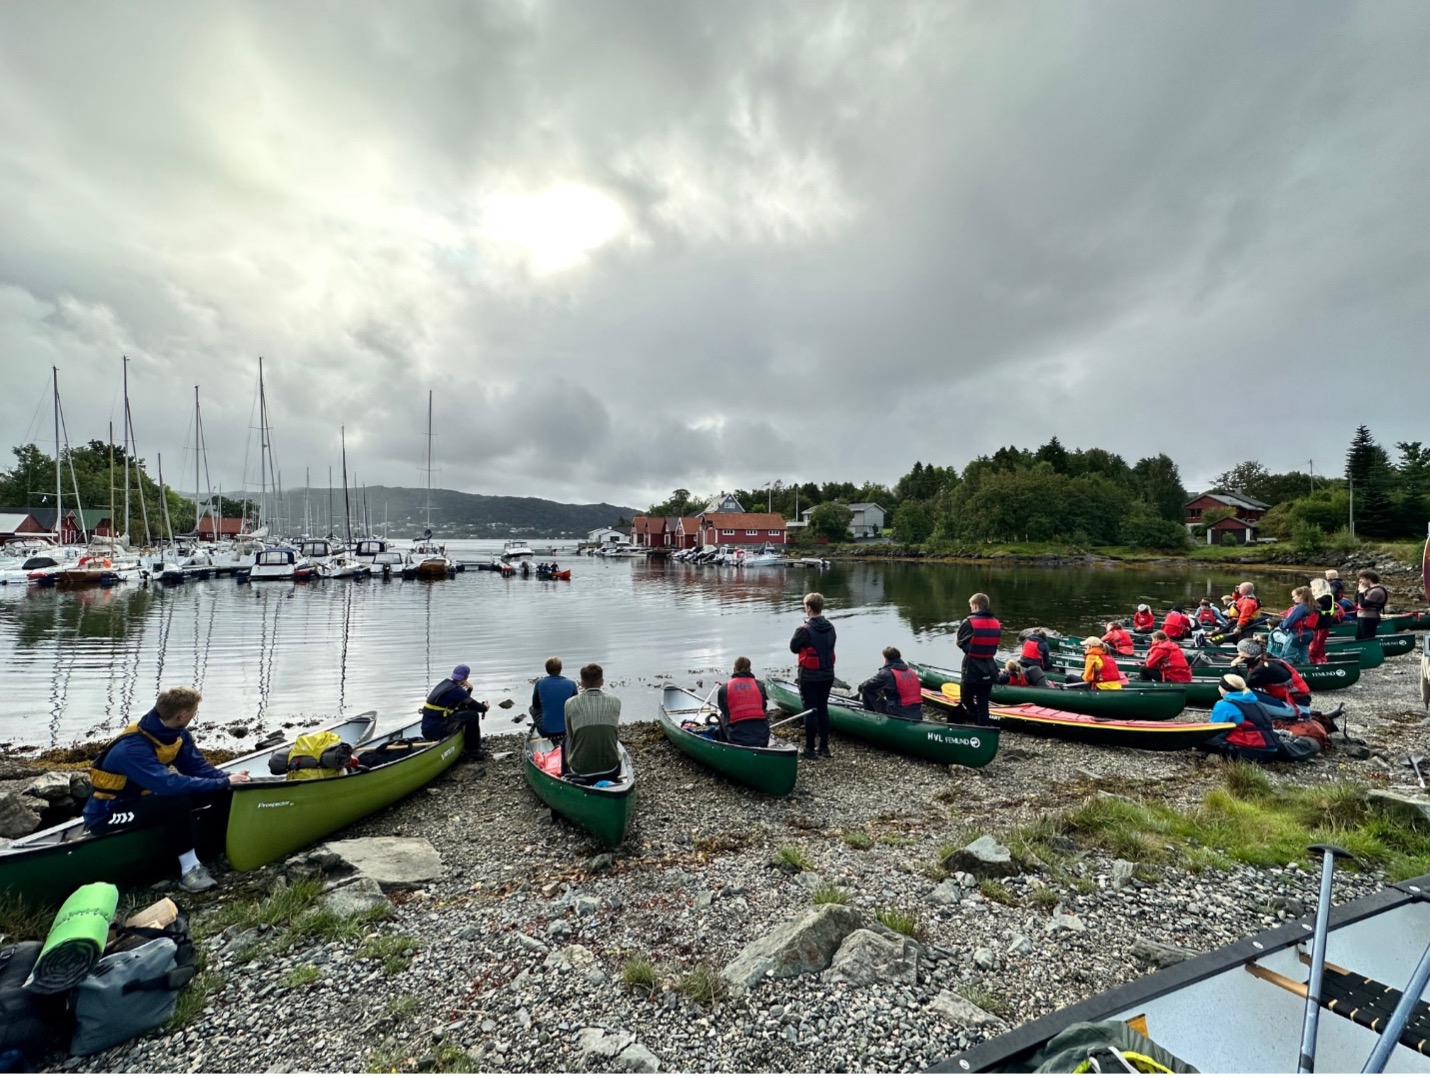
point(894, 689)
point(1292, 639)
point(1099, 669)
point(1208, 617)
point(1176, 624)
point(1245, 614)
point(153, 775)
point(1328, 614)
point(1014, 673)
point(813, 642)
point(1118, 639)
point(978, 638)
point(1371, 599)
point(1144, 621)
point(1287, 694)
point(1254, 736)
point(744, 708)
point(1035, 650)
point(1165, 661)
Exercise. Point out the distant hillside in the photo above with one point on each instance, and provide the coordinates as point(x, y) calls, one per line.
point(455, 514)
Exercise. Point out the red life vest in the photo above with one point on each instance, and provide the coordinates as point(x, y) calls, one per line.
point(1108, 671)
point(1207, 616)
point(1032, 650)
point(1176, 624)
point(1298, 683)
point(1247, 607)
point(1016, 677)
point(744, 699)
point(911, 692)
point(818, 654)
point(1142, 621)
point(1119, 641)
point(1167, 657)
point(987, 635)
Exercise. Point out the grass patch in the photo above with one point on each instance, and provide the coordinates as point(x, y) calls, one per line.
point(20, 920)
point(640, 975)
point(985, 1000)
point(935, 871)
point(904, 922)
point(454, 1059)
point(404, 1007)
point(703, 985)
point(827, 894)
point(194, 997)
point(295, 910)
point(792, 859)
point(1044, 898)
point(858, 840)
point(897, 840)
point(995, 891)
point(299, 976)
point(393, 950)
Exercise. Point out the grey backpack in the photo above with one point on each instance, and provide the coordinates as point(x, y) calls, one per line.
point(128, 993)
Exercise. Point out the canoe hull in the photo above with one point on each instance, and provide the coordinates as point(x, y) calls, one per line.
point(274, 819)
point(1319, 677)
point(1149, 702)
point(772, 770)
point(943, 743)
point(605, 812)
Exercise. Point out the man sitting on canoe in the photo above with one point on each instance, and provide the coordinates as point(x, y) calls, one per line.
point(1099, 669)
point(1208, 617)
point(1034, 651)
point(153, 774)
point(744, 708)
point(1165, 661)
point(1118, 639)
point(592, 749)
point(894, 689)
point(548, 702)
point(1254, 738)
point(450, 705)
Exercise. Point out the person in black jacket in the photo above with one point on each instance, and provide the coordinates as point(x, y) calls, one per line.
point(978, 638)
point(813, 642)
point(450, 705)
point(894, 689)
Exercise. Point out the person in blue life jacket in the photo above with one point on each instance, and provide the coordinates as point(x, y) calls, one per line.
point(813, 642)
point(450, 705)
point(153, 775)
point(978, 638)
point(1254, 737)
point(548, 701)
point(744, 707)
point(894, 689)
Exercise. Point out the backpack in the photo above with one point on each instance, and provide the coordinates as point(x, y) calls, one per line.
point(313, 756)
point(1295, 748)
point(29, 1022)
point(134, 987)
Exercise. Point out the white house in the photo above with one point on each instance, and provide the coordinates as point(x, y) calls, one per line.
point(866, 519)
point(606, 535)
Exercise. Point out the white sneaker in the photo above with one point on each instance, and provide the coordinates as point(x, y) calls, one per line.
point(197, 879)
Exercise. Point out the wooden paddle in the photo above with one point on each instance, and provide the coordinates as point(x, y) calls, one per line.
point(801, 715)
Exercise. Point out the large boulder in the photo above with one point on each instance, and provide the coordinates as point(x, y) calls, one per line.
point(19, 815)
point(1404, 807)
point(392, 861)
point(960, 1012)
point(51, 786)
point(805, 945)
point(866, 958)
point(355, 896)
point(983, 858)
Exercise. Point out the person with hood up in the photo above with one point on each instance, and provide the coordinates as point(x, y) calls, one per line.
point(1143, 621)
point(894, 689)
point(813, 642)
point(1254, 737)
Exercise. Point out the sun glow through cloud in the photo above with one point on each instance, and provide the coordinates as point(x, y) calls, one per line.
point(554, 229)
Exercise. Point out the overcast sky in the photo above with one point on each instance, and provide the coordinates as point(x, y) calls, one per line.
point(639, 246)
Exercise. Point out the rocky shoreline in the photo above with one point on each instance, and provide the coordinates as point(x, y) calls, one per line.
point(510, 956)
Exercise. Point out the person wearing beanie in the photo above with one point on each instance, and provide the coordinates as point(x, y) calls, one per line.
point(1285, 692)
point(1253, 737)
point(1099, 669)
point(450, 705)
point(1143, 621)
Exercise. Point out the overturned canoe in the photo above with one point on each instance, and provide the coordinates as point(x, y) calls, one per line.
point(1137, 700)
point(771, 769)
point(604, 810)
point(272, 818)
point(941, 742)
point(50, 864)
point(1167, 736)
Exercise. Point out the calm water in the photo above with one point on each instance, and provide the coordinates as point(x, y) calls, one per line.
point(75, 664)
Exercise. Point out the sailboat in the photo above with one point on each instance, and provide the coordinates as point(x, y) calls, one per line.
point(341, 562)
point(426, 560)
point(273, 562)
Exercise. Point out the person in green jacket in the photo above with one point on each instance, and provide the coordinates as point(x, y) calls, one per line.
point(592, 720)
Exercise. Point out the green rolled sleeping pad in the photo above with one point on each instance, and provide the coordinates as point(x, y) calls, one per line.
point(76, 939)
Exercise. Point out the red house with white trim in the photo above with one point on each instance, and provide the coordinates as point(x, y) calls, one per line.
point(742, 529)
point(1242, 523)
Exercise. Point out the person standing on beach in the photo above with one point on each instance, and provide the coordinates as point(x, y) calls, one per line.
point(1371, 598)
point(813, 642)
point(978, 638)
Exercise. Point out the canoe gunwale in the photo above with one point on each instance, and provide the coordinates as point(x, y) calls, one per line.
point(778, 749)
point(1005, 1052)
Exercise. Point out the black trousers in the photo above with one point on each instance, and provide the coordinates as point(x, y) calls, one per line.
point(815, 696)
point(1147, 674)
point(975, 688)
point(1366, 628)
point(172, 817)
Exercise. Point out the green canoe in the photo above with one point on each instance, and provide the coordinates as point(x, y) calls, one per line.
point(605, 811)
point(1368, 653)
point(1149, 701)
point(1201, 690)
point(47, 866)
point(941, 742)
point(1390, 624)
point(273, 818)
point(771, 769)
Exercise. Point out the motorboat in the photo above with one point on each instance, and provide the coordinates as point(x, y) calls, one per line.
point(279, 563)
point(766, 555)
point(517, 548)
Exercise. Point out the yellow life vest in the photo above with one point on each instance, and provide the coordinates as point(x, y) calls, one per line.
point(110, 784)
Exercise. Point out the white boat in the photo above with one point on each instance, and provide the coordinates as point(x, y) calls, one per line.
point(279, 563)
point(517, 548)
point(767, 555)
point(427, 560)
point(368, 550)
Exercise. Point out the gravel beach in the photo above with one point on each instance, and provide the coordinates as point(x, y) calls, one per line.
point(510, 960)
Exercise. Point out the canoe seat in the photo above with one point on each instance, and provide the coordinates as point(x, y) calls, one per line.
point(1369, 1003)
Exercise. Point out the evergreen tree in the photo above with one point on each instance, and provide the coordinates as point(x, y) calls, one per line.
point(1159, 484)
point(1054, 453)
point(1369, 473)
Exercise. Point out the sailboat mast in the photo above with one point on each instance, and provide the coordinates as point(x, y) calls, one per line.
point(111, 482)
point(262, 446)
point(59, 475)
point(330, 500)
point(429, 460)
point(168, 527)
point(132, 446)
point(347, 512)
point(126, 448)
point(197, 428)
